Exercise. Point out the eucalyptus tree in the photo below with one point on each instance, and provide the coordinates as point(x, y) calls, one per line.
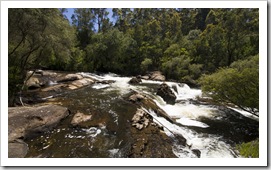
point(38, 38)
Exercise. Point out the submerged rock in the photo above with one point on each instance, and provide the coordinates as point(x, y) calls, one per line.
point(79, 118)
point(166, 93)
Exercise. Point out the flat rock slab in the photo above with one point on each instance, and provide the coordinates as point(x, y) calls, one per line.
point(17, 149)
point(25, 121)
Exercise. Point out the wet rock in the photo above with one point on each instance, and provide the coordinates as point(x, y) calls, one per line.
point(25, 122)
point(140, 119)
point(165, 92)
point(79, 118)
point(146, 77)
point(33, 83)
point(106, 81)
point(80, 83)
point(147, 140)
point(69, 77)
point(55, 88)
point(149, 104)
point(17, 149)
point(136, 97)
point(196, 152)
point(157, 75)
point(135, 80)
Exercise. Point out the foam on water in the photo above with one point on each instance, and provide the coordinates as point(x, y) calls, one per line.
point(100, 86)
point(210, 146)
point(190, 111)
point(183, 92)
point(190, 122)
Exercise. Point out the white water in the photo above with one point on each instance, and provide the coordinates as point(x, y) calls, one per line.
point(184, 112)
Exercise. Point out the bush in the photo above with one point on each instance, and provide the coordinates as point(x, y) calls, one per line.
point(250, 149)
point(238, 85)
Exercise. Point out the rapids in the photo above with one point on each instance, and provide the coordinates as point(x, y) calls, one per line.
point(213, 130)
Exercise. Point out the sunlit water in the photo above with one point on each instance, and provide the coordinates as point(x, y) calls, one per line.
point(206, 128)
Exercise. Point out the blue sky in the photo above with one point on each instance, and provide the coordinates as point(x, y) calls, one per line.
point(71, 11)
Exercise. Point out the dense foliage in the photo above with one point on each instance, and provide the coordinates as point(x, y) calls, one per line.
point(182, 43)
point(249, 149)
point(37, 38)
point(238, 84)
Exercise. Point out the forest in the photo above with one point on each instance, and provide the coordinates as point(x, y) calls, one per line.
point(212, 50)
point(200, 47)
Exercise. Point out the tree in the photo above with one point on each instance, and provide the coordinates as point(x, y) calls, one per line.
point(37, 38)
point(83, 21)
point(238, 84)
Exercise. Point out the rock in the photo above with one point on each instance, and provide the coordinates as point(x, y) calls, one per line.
point(80, 83)
point(24, 122)
point(106, 81)
point(17, 149)
point(147, 140)
point(136, 97)
point(165, 92)
point(55, 88)
point(157, 76)
point(196, 152)
point(69, 77)
point(146, 77)
point(79, 118)
point(33, 83)
point(140, 119)
point(135, 80)
point(149, 104)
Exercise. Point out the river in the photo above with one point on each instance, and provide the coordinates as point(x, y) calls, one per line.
point(213, 130)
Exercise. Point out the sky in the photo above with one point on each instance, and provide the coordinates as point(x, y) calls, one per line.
point(71, 11)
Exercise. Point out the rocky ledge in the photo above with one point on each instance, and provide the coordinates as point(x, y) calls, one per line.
point(148, 140)
point(26, 122)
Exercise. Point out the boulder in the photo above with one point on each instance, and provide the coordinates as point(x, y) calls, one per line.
point(147, 139)
point(79, 118)
point(135, 80)
point(69, 77)
point(146, 77)
point(24, 122)
point(166, 93)
point(55, 88)
point(17, 149)
point(136, 97)
point(33, 83)
point(151, 105)
point(196, 152)
point(80, 83)
point(141, 119)
point(157, 76)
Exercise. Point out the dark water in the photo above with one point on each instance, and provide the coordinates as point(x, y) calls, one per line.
point(106, 134)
